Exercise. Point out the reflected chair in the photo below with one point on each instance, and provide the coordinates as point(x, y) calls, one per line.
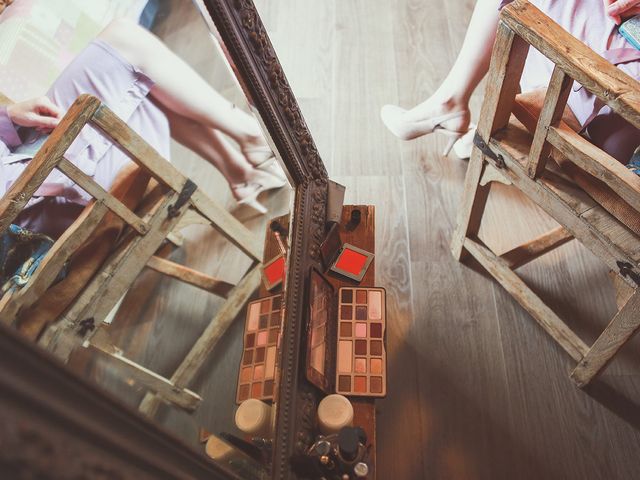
point(531, 142)
point(170, 202)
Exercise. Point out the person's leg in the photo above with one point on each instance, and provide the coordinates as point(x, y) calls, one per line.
point(179, 88)
point(614, 135)
point(210, 145)
point(246, 182)
point(467, 72)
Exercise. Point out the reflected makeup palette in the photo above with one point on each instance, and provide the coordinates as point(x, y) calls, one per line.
point(256, 378)
point(346, 351)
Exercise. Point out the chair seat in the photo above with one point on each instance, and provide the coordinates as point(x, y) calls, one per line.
point(527, 109)
point(516, 140)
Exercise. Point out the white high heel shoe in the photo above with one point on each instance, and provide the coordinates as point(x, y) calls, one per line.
point(464, 146)
point(262, 158)
point(246, 193)
point(394, 119)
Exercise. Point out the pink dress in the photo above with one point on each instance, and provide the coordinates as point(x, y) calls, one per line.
point(100, 71)
point(587, 21)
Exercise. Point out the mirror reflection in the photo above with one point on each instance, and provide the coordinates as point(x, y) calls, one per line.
point(139, 215)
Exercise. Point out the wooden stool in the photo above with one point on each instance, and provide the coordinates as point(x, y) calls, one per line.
point(506, 151)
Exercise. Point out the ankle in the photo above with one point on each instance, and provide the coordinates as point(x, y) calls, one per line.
point(451, 102)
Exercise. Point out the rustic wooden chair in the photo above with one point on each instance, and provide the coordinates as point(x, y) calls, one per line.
point(174, 203)
point(517, 151)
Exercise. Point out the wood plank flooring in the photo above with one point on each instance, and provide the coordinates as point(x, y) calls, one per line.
point(476, 389)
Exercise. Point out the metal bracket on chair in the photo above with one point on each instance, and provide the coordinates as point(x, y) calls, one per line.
point(479, 142)
point(626, 270)
point(185, 194)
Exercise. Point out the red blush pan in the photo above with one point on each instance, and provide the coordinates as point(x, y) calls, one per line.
point(352, 262)
point(273, 273)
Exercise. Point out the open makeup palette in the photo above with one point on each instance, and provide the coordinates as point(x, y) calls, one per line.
point(346, 351)
point(258, 366)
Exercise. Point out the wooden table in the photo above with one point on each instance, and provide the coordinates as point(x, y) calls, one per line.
point(362, 236)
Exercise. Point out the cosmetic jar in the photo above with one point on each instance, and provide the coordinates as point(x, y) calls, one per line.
point(255, 418)
point(334, 413)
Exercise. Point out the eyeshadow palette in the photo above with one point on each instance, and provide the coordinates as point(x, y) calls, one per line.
point(257, 374)
point(361, 359)
point(346, 351)
point(344, 258)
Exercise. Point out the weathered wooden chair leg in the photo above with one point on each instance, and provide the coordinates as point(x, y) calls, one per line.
point(195, 359)
point(474, 200)
point(507, 62)
point(620, 330)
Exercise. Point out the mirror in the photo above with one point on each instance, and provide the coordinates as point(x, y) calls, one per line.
point(202, 325)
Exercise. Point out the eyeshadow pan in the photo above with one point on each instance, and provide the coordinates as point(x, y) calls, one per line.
point(361, 365)
point(268, 388)
point(376, 347)
point(376, 384)
point(345, 329)
point(248, 357)
point(259, 355)
point(256, 390)
point(263, 321)
point(360, 384)
point(245, 375)
point(346, 312)
point(376, 330)
point(361, 296)
point(361, 313)
point(345, 355)
point(275, 304)
point(361, 347)
point(251, 339)
point(270, 364)
point(361, 330)
point(254, 313)
point(317, 358)
point(273, 335)
point(244, 393)
point(375, 305)
point(344, 383)
point(262, 338)
point(265, 306)
point(319, 335)
point(376, 365)
point(258, 372)
point(274, 320)
point(347, 296)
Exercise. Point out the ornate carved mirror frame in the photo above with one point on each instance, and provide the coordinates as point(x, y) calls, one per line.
point(55, 422)
point(245, 37)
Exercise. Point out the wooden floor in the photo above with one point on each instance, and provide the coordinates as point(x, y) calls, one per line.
point(476, 389)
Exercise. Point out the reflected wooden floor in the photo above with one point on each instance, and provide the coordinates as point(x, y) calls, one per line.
point(476, 389)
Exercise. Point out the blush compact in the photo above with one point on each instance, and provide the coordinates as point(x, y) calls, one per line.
point(343, 258)
point(274, 271)
point(346, 350)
